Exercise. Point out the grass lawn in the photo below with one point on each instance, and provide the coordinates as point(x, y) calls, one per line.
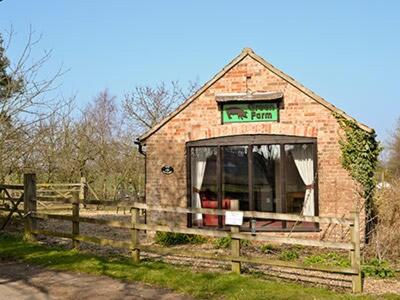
point(197, 284)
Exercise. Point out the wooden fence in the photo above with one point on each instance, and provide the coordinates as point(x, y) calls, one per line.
point(49, 196)
point(235, 257)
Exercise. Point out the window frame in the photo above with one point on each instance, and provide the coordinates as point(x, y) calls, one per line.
point(250, 140)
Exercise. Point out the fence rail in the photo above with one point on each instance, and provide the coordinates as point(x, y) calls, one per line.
point(236, 258)
point(12, 186)
point(250, 214)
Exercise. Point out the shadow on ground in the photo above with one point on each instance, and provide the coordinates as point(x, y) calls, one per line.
point(23, 281)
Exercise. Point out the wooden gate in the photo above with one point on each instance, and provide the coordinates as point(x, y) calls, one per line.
point(11, 196)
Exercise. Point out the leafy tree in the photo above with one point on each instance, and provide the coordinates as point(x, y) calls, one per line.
point(9, 83)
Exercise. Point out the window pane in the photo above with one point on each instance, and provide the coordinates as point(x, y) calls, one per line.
point(266, 177)
point(235, 182)
point(272, 183)
point(267, 183)
point(204, 183)
point(300, 178)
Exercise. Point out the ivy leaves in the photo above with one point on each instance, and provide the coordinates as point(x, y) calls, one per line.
point(360, 151)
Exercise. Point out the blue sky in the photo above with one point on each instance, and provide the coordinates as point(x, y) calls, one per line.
point(346, 51)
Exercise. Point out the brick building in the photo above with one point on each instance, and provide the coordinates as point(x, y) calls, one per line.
point(251, 134)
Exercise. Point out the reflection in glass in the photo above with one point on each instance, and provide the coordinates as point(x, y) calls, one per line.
point(235, 178)
point(267, 183)
point(280, 183)
point(266, 177)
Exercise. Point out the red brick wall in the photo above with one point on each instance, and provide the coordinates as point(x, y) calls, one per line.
point(301, 116)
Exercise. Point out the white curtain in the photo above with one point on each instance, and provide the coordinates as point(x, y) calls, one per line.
point(303, 158)
point(198, 165)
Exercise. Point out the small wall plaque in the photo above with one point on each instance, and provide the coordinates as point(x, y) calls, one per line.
point(234, 218)
point(167, 170)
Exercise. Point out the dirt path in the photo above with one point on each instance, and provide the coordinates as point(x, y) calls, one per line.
point(21, 281)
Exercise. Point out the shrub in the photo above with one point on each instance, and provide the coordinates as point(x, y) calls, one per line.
point(376, 268)
point(225, 242)
point(171, 238)
point(268, 248)
point(196, 239)
point(245, 243)
point(385, 241)
point(296, 247)
point(222, 243)
point(328, 259)
point(289, 255)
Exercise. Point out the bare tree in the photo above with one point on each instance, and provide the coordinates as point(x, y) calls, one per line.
point(23, 101)
point(105, 150)
point(94, 144)
point(52, 151)
point(101, 117)
point(61, 143)
point(145, 105)
point(393, 159)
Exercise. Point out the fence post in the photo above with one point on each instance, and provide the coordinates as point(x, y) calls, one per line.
point(356, 254)
point(75, 212)
point(75, 223)
point(235, 244)
point(135, 235)
point(83, 190)
point(30, 224)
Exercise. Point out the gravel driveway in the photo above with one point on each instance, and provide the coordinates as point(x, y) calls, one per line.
point(21, 281)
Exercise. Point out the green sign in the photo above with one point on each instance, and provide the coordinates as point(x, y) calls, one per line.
point(250, 112)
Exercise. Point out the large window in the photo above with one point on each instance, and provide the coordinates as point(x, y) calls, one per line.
point(266, 173)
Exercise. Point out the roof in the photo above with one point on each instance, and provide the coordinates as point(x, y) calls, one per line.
point(249, 52)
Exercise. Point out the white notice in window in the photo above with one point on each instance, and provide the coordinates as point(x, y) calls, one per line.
point(234, 218)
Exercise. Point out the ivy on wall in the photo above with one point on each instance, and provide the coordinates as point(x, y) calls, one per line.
point(360, 151)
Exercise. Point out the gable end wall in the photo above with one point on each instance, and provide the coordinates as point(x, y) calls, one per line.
point(301, 116)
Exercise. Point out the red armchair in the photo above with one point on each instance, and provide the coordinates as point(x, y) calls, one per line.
point(212, 220)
